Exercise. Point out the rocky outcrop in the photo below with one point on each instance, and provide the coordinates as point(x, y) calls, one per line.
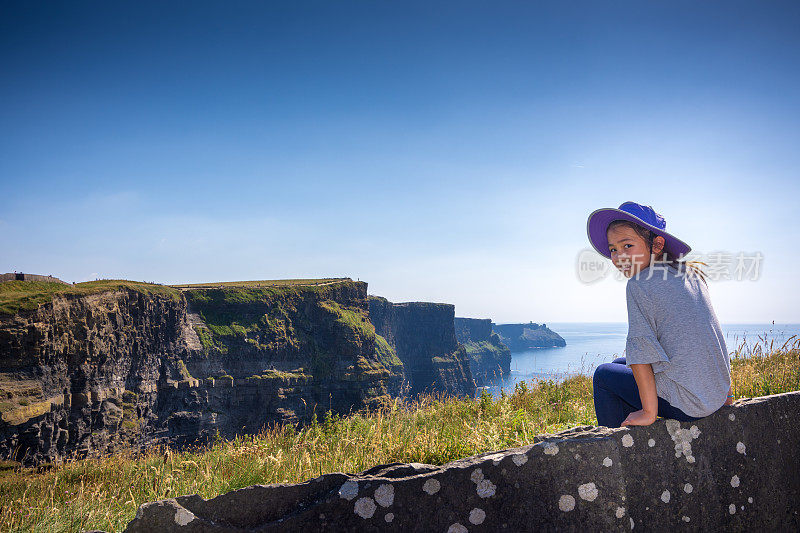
point(423, 335)
point(735, 470)
point(520, 337)
point(489, 358)
point(110, 365)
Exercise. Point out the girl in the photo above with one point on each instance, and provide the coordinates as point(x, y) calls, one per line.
point(677, 364)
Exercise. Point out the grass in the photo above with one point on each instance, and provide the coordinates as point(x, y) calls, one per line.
point(236, 320)
point(357, 320)
point(263, 283)
point(235, 311)
point(104, 493)
point(763, 369)
point(478, 350)
point(18, 296)
point(27, 295)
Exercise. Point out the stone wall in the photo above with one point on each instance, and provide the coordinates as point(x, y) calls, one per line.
point(736, 470)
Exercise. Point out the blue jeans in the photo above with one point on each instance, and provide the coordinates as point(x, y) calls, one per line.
point(616, 396)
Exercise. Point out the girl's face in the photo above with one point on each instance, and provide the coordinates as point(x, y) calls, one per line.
point(629, 251)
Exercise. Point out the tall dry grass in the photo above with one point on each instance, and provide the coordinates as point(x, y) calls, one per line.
point(764, 368)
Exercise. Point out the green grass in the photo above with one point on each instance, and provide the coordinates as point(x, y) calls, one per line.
point(237, 310)
point(357, 320)
point(478, 350)
point(236, 314)
point(27, 295)
point(183, 371)
point(385, 353)
point(285, 376)
point(263, 283)
point(277, 318)
point(105, 493)
point(18, 296)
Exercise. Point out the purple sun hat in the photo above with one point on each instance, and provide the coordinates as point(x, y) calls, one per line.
point(644, 215)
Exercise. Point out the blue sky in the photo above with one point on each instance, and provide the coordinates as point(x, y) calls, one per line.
point(442, 153)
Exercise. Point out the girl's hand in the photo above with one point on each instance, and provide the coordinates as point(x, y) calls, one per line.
point(640, 418)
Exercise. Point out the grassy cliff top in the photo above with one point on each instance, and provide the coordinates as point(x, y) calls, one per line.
point(18, 296)
point(263, 283)
point(240, 294)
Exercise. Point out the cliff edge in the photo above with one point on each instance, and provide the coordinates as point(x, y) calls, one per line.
point(90, 368)
point(489, 358)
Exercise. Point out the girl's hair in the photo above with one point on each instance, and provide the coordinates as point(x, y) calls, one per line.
point(649, 235)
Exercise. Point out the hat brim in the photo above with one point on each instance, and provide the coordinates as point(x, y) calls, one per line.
point(597, 225)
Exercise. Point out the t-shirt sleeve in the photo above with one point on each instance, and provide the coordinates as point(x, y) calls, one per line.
point(642, 346)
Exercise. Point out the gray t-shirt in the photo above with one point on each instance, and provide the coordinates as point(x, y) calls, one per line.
point(672, 325)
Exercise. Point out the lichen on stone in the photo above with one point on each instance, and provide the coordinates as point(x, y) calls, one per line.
point(566, 502)
point(486, 488)
point(365, 507)
point(348, 490)
point(588, 491)
point(682, 438)
point(384, 495)
point(431, 486)
point(477, 516)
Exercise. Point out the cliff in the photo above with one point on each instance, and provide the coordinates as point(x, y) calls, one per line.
point(488, 356)
point(520, 337)
point(90, 368)
point(423, 335)
point(735, 470)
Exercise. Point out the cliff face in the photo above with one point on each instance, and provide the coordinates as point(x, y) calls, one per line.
point(423, 335)
point(488, 356)
point(520, 337)
point(81, 373)
point(282, 352)
point(87, 373)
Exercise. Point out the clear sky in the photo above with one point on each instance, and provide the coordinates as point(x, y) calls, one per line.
point(441, 151)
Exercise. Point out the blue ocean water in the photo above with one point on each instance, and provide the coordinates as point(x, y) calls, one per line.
point(592, 343)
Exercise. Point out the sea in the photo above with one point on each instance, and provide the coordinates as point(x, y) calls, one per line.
point(592, 343)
